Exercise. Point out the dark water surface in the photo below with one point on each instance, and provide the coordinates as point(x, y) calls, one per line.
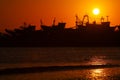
point(62, 56)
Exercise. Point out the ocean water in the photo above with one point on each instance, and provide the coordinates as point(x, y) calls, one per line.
point(61, 56)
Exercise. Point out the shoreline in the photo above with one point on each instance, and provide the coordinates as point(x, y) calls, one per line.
point(24, 70)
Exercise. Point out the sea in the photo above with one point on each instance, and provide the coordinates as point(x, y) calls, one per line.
point(27, 57)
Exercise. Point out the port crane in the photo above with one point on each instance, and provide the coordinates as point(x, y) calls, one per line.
point(85, 20)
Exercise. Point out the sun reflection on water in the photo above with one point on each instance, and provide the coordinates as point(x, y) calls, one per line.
point(98, 71)
point(97, 61)
point(98, 74)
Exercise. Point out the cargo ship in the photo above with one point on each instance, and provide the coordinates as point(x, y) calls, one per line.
point(85, 34)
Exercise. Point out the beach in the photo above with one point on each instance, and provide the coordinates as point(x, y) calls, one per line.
point(60, 63)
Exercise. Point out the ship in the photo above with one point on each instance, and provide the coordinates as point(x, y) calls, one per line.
point(83, 35)
point(59, 26)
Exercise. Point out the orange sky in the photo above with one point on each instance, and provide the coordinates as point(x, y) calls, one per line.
point(14, 12)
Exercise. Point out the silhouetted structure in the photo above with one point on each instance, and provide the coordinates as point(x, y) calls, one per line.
point(60, 26)
point(85, 34)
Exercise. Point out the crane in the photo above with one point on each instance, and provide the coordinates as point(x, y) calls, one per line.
point(87, 20)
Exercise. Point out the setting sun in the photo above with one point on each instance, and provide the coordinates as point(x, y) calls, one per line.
point(96, 11)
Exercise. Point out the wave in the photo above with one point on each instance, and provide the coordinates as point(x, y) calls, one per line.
point(51, 69)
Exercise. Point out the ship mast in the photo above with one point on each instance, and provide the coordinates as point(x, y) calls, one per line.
point(107, 18)
point(53, 22)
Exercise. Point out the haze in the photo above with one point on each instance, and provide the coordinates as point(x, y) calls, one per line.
point(14, 12)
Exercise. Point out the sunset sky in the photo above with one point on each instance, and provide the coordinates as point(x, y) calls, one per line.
point(14, 12)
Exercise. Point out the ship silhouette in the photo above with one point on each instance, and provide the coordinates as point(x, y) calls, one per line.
point(85, 34)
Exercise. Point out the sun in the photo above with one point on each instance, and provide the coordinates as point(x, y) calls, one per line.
point(96, 11)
